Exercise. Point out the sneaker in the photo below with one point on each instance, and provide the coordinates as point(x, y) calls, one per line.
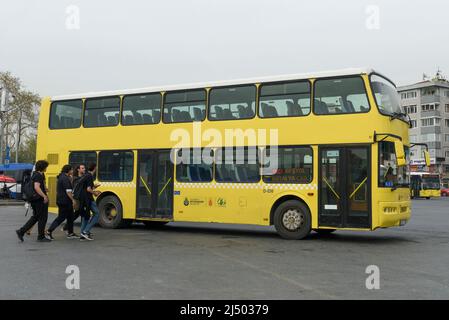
point(86, 236)
point(73, 236)
point(20, 235)
point(43, 240)
point(49, 236)
point(64, 228)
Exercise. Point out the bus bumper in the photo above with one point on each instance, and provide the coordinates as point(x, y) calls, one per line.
point(429, 193)
point(394, 214)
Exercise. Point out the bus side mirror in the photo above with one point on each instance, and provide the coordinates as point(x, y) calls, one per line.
point(400, 154)
point(427, 158)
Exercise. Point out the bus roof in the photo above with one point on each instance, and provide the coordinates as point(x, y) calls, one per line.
point(298, 76)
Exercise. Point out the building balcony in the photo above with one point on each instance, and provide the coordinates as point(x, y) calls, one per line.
point(432, 113)
point(431, 99)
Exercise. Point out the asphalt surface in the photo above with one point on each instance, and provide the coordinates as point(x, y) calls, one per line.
point(212, 261)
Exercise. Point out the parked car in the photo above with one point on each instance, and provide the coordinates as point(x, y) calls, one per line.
point(445, 192)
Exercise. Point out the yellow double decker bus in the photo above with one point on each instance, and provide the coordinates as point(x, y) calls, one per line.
point(323, 151)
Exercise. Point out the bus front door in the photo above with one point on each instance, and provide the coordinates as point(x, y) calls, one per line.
point(155, 184)
point(344, 187)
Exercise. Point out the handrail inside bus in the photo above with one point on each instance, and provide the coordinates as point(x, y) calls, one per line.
point(145, 185)
point(357, 189)
point(332, 189)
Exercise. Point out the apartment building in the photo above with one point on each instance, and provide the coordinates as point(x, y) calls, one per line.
point(427, 104)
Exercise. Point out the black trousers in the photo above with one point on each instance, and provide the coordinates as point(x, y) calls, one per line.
point(40, 215)
point(76, 215)
point(65, 212)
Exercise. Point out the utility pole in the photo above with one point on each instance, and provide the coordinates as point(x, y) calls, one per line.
point(3, 105)
point(19, 133)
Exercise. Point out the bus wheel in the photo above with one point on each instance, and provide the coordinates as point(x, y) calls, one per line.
point(427, 198)
point(111, 213)
point(154, 224)
point(292, 220)
point(324, 231)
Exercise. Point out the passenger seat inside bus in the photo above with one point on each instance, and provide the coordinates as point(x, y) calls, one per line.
point(156, 116)
point(147, 118)
point(197, 114)
point(320, 107)
point(129, 120)
point(138, 119)
point(293, 109)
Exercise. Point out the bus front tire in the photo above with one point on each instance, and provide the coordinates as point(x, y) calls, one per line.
point(292, 220)
point(111, 213)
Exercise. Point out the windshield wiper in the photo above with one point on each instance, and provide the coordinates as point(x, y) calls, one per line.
point(401, 116)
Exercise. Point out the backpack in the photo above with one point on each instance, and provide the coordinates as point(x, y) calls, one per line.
point(28, 192)
point(78, 187)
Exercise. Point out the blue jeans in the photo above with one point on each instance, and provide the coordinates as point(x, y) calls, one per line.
point(87, 224)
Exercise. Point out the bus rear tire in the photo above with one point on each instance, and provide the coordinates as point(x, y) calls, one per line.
point(111, 213)
point(292, 220)
point(154, 224)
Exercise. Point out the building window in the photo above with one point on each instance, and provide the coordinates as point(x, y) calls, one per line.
point(141, 109)
point(232, 103)
point(410, 109)
point(446, 108)
point(337, 96)
point(192, 166)
point(115, 166)
point(408, 95)
point(102, 112)
point(66, 114)
point(293, 165)
point(284, 100)
point(428, 91)
point(429, 107)
point(237, 165)
point(446, 122)
point(428, 122)
point(446, 138)
point(447, 154)
point(413, 124)
point(185, 106)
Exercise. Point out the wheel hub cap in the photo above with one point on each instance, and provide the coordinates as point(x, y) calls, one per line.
point(292, 219)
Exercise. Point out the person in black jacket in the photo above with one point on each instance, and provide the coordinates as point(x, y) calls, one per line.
point(64, 201)
point(39, 205)
point(79, 205)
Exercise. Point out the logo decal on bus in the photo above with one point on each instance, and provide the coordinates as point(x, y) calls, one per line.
point(221, 202)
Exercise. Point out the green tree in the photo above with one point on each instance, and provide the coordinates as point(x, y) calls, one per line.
point(20, 119)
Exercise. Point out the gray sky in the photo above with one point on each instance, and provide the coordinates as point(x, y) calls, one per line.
point(132, 44)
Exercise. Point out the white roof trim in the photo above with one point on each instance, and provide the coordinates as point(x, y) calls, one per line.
point(299, 76)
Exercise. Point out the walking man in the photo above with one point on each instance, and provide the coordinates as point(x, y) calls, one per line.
point(39, 204)
point(64, 201)
point(89, 221)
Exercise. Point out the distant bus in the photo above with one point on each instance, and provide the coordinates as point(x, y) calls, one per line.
point(424, 185)
point(18, 171)
point(341, 154)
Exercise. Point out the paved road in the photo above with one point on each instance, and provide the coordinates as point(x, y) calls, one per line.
point(211, 261)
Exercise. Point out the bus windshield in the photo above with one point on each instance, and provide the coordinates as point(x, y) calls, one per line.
point(431, 182)
point(387, 98)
